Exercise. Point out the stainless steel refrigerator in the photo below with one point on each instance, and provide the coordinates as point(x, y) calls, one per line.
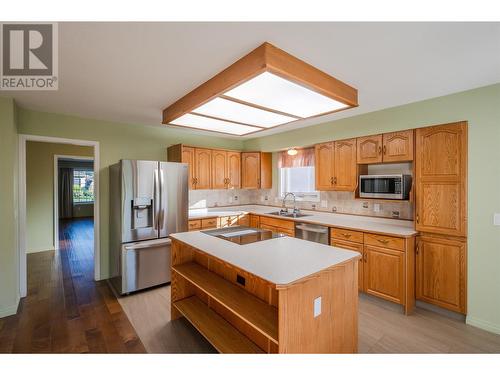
point(148, 201)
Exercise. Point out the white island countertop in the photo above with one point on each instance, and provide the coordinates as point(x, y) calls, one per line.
point(404, 228)
point(280, 261)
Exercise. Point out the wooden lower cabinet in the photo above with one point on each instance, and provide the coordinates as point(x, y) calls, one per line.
point(286, 227)
point(383, 273)
point(355, 247)
point(254, 221)
point(441, 272)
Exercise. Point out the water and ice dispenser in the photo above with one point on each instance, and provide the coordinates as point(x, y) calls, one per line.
point(142, 212)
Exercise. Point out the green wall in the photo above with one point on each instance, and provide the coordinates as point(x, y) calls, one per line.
point(117, 141)
point(481, 108)
point(9, 288)
point(40, 191)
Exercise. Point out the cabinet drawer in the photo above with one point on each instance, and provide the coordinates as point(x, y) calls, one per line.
point(388, 242)
point(194, 224)
point(286, 231)
point(286, 224)
point(209, 223)
point(346, 235)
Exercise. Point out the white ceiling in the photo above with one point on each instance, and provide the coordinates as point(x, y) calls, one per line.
point(129, 72)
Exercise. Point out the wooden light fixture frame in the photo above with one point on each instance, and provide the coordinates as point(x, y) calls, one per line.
point(264, 58)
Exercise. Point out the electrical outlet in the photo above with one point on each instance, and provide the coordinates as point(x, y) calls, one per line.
point(235, 198)
point(395, 214)
point(496, 219)
point(324, 204)
point(317, 307)
point(365, 204)
point(376, 207)
point(334, 209)
point(266, 198)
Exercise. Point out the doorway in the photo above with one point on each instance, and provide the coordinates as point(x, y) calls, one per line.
point(79, 225)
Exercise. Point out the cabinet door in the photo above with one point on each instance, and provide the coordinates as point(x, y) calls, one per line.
point(354, 247)
point(254, 221)
point(345, 167)
point(441, 177)
point(441, 272)
point(250, 170)
point(188, 157)
point(244, 220)
point(398, 146)
point(203, 168)
point(384, 273)
point(233, 173)
point(369, 149)
point(324, 165)
point(219, 167)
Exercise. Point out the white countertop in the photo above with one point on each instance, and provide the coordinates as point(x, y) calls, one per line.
point(394, 227)
point(280, 261)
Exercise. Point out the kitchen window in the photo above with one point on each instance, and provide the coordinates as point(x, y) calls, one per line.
point(83, 186)
point(296, 175)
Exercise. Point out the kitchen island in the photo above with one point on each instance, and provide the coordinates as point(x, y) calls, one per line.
point(280, 295)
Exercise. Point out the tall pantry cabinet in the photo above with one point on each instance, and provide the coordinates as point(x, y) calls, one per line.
point(441, 215)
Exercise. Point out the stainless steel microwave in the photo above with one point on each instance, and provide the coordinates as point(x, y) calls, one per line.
point(389, 186)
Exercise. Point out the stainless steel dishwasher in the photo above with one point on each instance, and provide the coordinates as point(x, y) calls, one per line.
point(312, 232)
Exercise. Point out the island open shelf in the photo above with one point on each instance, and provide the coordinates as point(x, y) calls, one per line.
point(239, 312)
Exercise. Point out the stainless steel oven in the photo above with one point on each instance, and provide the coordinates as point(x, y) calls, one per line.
point(390, 186)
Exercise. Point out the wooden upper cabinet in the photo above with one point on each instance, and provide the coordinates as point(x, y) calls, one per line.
point(219, 169)
point(324, 164)
point(233, 172)
point(203, 168)
point(345, 167)
point(250, 170)
point(187, 156)
point(441, 179)
point(441, 272)
point(398, 146)
point(256, 172)
point(383, 273)
point(369, 149)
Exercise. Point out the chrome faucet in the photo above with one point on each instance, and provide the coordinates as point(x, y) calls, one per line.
point(284, 210)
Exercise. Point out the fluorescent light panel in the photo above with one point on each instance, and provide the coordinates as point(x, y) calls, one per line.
point(271, 91)
point(232, 111)
point(205, 123)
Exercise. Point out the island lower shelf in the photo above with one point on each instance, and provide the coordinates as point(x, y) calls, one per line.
point(238, 312)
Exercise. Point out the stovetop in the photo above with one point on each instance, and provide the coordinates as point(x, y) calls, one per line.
point(242, 235)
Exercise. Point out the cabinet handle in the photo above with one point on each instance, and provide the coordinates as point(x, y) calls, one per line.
point(335, 180)
point(379, 150)
point(383, 241)
point(346, 235)
point(418, 219)
point(385, 150)
point(417, 249)
point(331, 180)
point(258, 182)
point(365, 258)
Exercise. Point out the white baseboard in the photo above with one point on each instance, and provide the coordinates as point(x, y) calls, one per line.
point(483, 324)
point(9, 310)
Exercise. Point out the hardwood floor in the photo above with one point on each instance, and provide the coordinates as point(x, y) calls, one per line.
point(65, 310)
point(382, 328)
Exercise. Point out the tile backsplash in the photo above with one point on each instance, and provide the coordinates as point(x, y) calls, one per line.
point(330, 201)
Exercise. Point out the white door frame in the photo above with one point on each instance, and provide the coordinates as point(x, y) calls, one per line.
point(56, 191)
point(23, 138)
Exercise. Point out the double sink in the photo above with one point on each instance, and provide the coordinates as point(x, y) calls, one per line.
point(288, 214)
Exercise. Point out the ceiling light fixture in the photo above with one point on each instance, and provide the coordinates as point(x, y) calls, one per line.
point(266, 88)
point(292, 152)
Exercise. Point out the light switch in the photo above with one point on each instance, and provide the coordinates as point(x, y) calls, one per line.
point(324, 204)
point(376, 207)
point(317, 307)
point(496, 219)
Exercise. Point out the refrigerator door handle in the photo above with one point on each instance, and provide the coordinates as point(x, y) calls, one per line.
point(156, 194)
point(161, 210)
